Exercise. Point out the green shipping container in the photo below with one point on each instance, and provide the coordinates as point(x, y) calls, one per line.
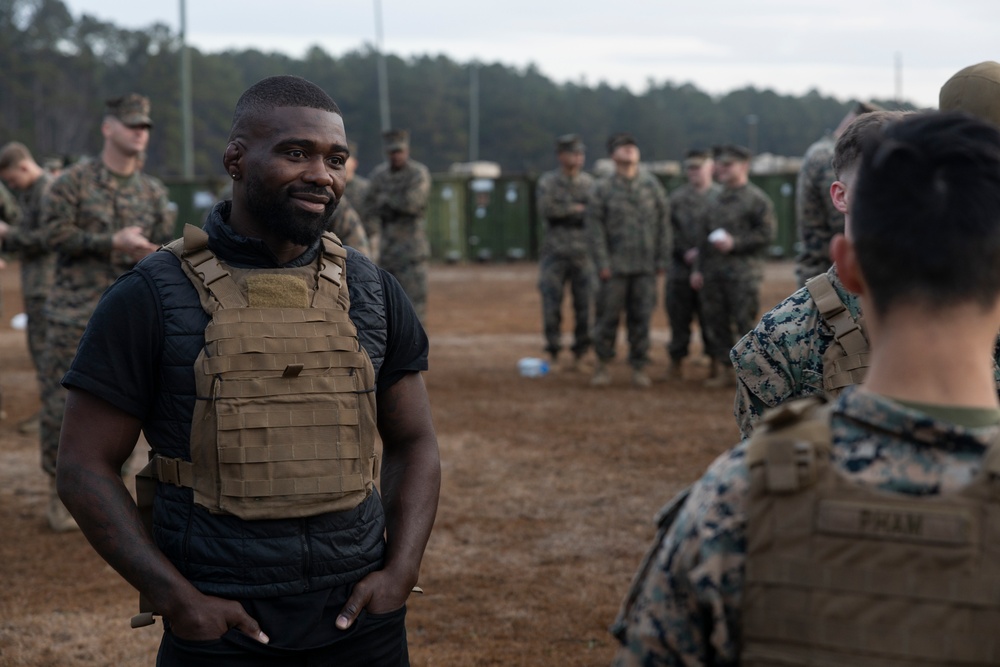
point(781, 189)
point(500, 219)
point(447, 213)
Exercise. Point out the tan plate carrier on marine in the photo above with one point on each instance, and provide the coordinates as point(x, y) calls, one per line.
point(838, 573)
point(845, 362)
point(284, 420)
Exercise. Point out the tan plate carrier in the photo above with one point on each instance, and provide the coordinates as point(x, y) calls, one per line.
point(842, 574)
point(284, 421)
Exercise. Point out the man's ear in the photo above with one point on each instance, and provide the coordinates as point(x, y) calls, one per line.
point(838, 195)
point(232, 159)
point(846, 258)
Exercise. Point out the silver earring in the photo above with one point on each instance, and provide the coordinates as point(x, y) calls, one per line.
point(234, 175)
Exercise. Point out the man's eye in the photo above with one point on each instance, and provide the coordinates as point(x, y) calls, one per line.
point(336, 160)
point(296, 153)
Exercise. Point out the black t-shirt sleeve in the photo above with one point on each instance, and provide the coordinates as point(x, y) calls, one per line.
point(118, 353)
point(406, 345)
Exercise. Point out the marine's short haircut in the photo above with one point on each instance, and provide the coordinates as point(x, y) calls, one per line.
point(278, 91)
point(925, 217)
point(847, 151)
point(13, 154)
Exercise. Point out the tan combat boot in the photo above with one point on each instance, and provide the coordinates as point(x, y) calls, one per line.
point(60, 520)
point(640, 380)
point(601, 377)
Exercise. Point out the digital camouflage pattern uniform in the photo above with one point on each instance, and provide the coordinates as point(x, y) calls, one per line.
point(628, 221)
point(729, 298)
point(565, 257)
point(782, 357)
point(395, 206)
point(356, 190)
point(10, 213)
point(687, 607)
point(85, 207)
point(815, 216)
point(690, 222)
point(29, 241)
point(346, 224)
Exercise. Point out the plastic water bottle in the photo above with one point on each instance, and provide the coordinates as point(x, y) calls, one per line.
point(532, 367)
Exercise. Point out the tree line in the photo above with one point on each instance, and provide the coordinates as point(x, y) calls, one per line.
point(57, 70)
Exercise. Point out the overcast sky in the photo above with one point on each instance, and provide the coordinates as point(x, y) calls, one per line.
point(846, 48)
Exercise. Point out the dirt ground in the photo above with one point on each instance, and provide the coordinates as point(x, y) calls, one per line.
point(548, 495)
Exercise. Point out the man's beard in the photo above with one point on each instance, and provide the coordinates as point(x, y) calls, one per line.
point(282, 217)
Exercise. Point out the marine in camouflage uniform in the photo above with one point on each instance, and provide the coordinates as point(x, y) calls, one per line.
point(628, 220)
point(731, 280)
point(687, 604)
point(561, 197)
point(395, 206)
point(88, 210)
point(690, 221)
point(782, 357)
point(901, 439)
point(346, 224)
point(10, 213)
point(28, 240)
point(356, 189)
point(816, 218)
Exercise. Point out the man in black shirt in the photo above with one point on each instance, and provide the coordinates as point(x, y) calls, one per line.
point(288, 586)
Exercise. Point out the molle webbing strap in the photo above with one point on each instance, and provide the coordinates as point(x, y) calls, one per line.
point(790, 443)
point(850, 367)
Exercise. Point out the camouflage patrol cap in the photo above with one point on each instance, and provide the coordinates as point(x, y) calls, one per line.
point(696, 157)
point(395, 140)
point(620, 139)
point(731, 153)
point(570, 143)
point(131, 109)
point(974, 89)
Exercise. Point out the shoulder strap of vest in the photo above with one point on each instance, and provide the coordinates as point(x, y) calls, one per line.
point(790, 444)
point(207, 274)
point(331, 287)
point(848, 333)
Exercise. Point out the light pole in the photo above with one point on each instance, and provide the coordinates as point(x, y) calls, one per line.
point(383, 78)
point(187, 135)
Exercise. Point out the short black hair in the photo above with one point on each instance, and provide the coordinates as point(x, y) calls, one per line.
point(278, 91)
point(925, 219)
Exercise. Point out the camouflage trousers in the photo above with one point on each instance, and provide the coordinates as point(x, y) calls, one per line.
point(61, 341)
point(555, 271)
point(34, 308)
point(729, 308)
point(412, 277)
point(683, 305)
point(635, 294)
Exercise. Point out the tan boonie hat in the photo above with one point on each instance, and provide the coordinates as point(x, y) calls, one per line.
point(976, 90)
point(395, 140)
point(131, 109)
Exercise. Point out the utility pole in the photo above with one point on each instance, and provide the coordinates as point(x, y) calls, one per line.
point(383, 78)
point(473, 112)
point(187, 135)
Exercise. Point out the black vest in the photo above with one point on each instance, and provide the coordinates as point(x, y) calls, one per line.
point(224, 555)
